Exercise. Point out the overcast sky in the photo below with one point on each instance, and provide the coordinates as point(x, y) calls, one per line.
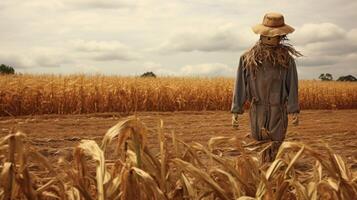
point(170, 37)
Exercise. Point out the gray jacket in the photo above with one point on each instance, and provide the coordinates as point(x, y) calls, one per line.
point(272, 93)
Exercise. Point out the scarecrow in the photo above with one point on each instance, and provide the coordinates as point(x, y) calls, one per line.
point(267, 78)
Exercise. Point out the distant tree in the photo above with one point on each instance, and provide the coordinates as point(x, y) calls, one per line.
point(347, 78)
point(5, 69)
point(326, 77)
point(148, 74)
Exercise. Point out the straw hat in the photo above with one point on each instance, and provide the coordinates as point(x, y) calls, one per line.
point(273, 25)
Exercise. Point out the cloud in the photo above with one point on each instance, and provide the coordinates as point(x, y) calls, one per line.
point(50, 61)
point(152, 66)
point(35, 57)
point(179, 35)
point(105, 50)
point(158, 69)
point(6, 3)
point(312, 33)
point(99, 4)
point(352, 35)
point(84, 68)
point(98, 46)
point(22, 61)
point(223, 38)
point(15, 61)
point(76, 4)
point(314, 61)
point(337, 48)
point(207, 69)
point(111, 56)
point(204, 69)
point(324, 44)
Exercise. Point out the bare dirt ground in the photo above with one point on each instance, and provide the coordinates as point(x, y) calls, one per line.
point(56, 135)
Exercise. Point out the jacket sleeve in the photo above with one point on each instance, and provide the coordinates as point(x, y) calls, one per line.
point(292, 89)
point(239, 92)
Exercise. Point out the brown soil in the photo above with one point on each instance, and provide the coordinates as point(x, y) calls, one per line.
point(56, 135)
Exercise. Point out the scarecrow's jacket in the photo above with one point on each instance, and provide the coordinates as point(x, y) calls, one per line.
point(272, 92)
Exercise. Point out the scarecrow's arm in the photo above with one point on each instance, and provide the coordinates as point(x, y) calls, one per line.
point(239, 92)
point(292, 88)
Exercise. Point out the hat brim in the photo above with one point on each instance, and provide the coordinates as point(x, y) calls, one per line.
point(272, 31)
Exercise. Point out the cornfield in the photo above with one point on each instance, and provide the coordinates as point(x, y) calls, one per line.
point(80, 94)
point(222, 169)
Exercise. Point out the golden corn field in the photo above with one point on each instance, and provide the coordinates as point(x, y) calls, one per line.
point(78, 94)
point(224, 168)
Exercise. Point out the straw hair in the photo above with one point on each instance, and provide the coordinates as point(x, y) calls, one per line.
point(273, 25)
point(279, 55)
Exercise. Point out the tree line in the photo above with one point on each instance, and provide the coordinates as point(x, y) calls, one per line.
point(329, 77)
point(6, 69)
